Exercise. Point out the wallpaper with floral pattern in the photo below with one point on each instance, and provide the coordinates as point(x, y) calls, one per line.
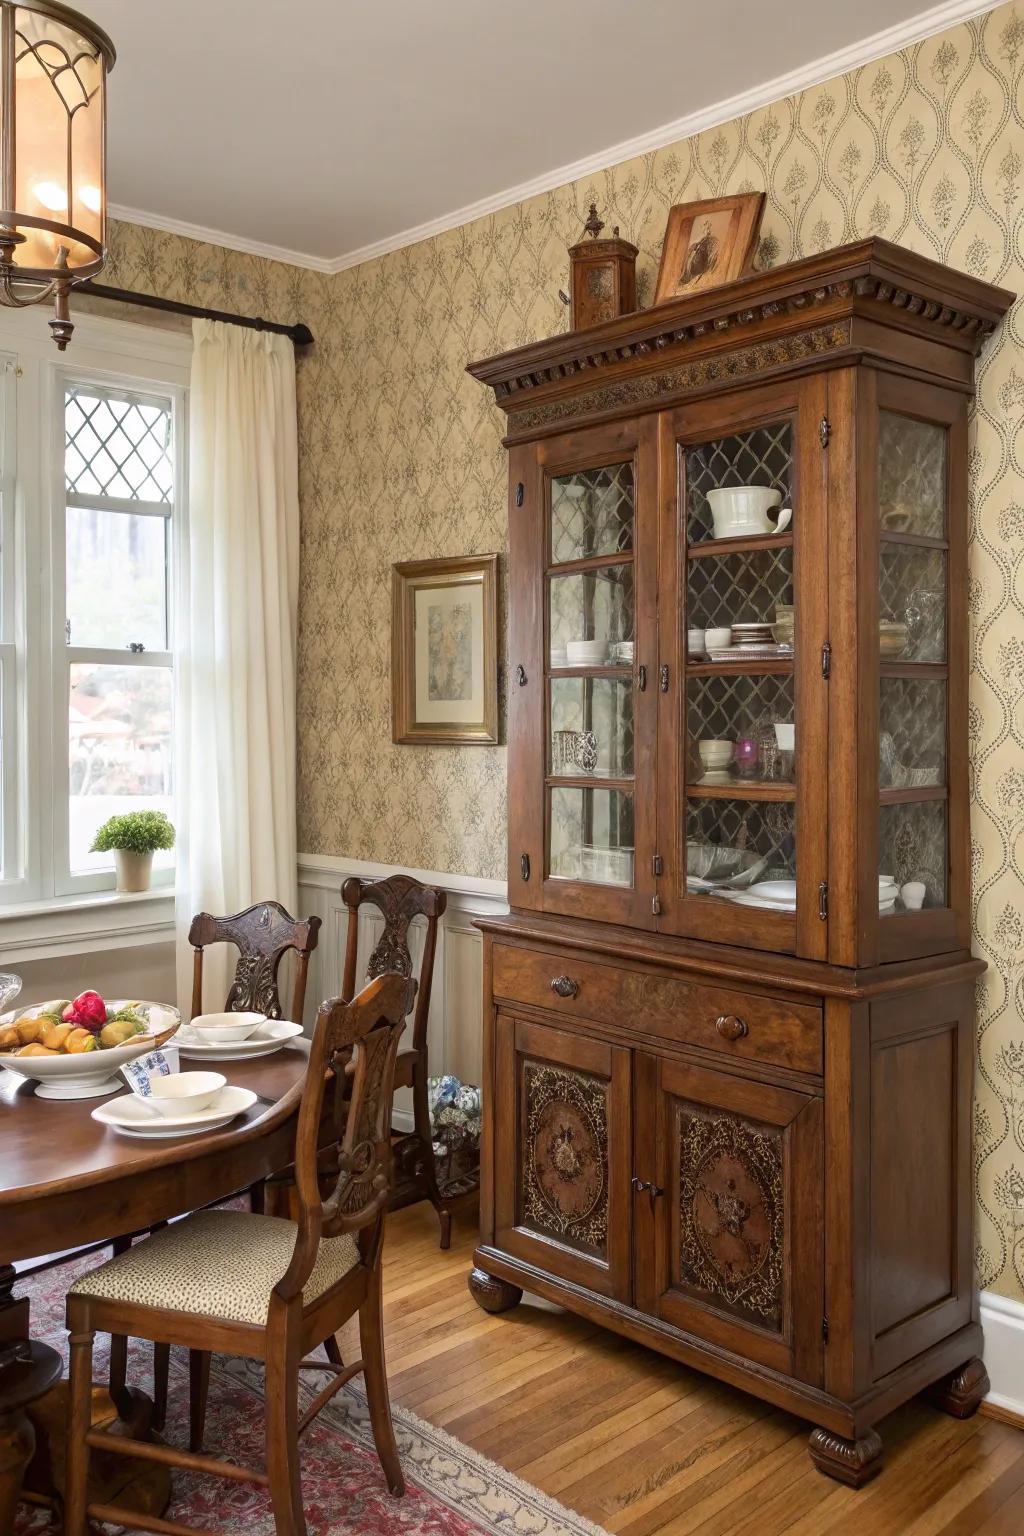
point(401, 460)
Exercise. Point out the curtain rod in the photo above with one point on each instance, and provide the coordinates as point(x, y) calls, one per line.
point(300, 334)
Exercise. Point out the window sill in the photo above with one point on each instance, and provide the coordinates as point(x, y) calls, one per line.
point(72, 925)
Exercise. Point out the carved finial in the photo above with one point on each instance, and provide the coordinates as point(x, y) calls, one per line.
point(594, 225)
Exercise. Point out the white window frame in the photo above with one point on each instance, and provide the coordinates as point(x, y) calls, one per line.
point(35, 769)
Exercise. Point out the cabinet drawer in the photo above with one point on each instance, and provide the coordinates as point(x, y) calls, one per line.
point(717, 1018)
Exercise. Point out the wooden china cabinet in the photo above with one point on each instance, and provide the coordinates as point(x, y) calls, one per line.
point(729, 1022)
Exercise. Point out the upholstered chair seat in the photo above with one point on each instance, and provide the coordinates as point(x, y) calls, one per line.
point(220, 1264)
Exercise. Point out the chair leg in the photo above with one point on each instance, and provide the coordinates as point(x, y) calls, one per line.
point(371, 1344)
point(282, 1410)
point(198, 1392)
point(77, 1467)
point(118, 1379)
point(161, 1377)
point(426, 1172)
point(333, 1351)
point(258, 1198)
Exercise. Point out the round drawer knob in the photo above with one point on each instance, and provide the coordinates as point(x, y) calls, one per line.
point(564, 986)
point(730, 1027)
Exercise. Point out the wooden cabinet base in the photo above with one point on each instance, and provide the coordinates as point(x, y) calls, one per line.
point(853, 1462)
point(492, 1294)
point(960, 1393)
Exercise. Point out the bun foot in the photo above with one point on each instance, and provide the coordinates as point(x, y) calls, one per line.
point(492, 1294)
point(853, 1462)
point(960, 1393)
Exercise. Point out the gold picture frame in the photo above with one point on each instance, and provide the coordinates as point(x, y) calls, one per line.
point(708, 243)
point(444, 651)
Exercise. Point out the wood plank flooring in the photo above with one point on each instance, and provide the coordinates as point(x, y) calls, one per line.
point(645, 1447)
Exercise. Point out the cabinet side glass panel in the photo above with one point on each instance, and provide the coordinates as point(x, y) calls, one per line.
point(592, 835)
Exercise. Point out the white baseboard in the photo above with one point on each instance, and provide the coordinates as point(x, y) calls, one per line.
point(1003, 1322)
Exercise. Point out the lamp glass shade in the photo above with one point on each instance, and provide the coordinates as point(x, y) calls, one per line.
point(52, 143)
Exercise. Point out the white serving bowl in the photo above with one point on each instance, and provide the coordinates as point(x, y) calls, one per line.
point(184, 1093)
point(92, 1073)
point(715, 754)
point(227, 1026)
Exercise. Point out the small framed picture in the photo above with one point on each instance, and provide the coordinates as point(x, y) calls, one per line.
point(444, 650)
point(708, 243)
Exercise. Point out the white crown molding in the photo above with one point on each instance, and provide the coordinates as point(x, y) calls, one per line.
point(240, 243)
point(890, 40)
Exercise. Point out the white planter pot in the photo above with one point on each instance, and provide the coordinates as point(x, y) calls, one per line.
point(134, 870)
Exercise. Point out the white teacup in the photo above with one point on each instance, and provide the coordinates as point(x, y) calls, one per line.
point(912, 895)
point(718, 639)
point(742, 510)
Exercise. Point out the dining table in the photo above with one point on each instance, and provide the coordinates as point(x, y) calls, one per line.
point(67, 1183)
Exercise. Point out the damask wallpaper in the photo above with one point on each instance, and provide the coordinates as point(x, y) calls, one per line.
point(401, 460)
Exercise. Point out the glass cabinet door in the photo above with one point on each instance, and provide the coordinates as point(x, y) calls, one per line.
point(599, 562)
point(915, 863)
point(747, 721)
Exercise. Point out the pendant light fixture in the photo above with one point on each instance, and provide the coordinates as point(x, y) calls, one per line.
point(53, 193)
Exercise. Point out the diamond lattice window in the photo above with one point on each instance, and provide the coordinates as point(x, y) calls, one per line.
point(117, 447)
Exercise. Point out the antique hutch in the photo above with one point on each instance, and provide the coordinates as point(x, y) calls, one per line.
point(729, 1025)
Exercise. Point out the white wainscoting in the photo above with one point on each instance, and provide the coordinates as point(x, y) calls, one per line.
point(1003, 1322)
point(454, 1027)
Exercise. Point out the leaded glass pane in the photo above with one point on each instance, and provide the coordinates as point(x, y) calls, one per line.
point(911, 476)
point(913, 852)
point(592, 513)
point(591, 727)
point(761, 457)
point(592, 607)
point(117, 445)
point(592, 835)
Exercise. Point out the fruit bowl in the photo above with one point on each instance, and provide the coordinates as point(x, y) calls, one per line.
point(91, 1073)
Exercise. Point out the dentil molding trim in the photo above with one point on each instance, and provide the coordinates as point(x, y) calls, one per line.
point(890, 40)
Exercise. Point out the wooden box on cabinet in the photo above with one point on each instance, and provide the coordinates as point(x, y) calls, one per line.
point(728, 1021)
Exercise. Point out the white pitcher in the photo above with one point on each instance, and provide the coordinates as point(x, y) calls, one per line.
point(740, 511)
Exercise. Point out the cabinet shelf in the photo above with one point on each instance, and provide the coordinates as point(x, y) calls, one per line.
point(782, 667)
point(919, 669)
point(742, 789)
point(589, 781)
point(707, 547)
point(590, 671)
point(909, 796)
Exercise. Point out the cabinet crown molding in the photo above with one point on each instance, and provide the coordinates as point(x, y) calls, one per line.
point(846, 299)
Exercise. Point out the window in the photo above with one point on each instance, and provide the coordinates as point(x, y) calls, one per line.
point(117, 699)
point(92, 470)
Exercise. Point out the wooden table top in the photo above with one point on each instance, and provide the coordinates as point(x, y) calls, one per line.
point(66, 1180)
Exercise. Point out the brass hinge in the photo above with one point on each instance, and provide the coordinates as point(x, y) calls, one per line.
point(657, 864)
point(524, 865)
point(823, 901)
point(824, 1329)
point(656, 906)
point(824, 431)
point(663, 679)
point(826, 660)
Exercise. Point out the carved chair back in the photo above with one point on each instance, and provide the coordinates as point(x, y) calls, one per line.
point(353, 1053)
point(263, 934)
point(399, 899)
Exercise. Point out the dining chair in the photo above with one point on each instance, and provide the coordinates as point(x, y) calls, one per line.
point(399, 899)
point(263, 1287)
point(263, 934)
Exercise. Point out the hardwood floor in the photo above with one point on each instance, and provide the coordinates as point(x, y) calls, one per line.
point(645, 1447)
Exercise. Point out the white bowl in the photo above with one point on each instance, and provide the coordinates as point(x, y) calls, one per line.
point(184, 1093)
point(718, 639)
point(92, 1073)
point(695, 642)
point(227, 1026)
point(715, 754)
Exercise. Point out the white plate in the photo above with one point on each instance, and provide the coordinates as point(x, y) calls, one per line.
point(781, 891)
point(270, 1037)
point(130, 1116)
point(746, 899)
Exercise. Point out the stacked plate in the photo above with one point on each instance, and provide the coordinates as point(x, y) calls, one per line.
point(750, 642)
point(586, 653)
point(888, 891)
point(769, 895)
point(267, 1038)
point(751, 634)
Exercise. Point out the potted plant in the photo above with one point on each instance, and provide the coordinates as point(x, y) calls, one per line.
point(134, 838)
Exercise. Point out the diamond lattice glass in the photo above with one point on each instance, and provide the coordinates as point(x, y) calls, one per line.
point(762, 457)
point(117, 445)
point(592, 513)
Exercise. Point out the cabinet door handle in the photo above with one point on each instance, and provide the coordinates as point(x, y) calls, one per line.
point(641, 677)
point(564, 986)
point(730, 1027)
point(521, 675)
point(639, 1185)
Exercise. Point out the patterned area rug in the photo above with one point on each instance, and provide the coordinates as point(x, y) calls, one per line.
point(451, 1491)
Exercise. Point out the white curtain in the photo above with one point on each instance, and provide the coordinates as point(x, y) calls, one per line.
point(238, 622)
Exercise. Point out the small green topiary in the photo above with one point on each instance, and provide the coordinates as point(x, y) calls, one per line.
point(135, 832)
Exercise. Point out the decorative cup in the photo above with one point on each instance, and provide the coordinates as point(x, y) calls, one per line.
point(718, 639)
point(912, 895)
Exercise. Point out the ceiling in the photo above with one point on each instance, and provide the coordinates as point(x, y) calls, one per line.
point(332, 129)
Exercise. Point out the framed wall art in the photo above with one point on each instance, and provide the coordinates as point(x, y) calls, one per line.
point(444, 651)
point(708, 243)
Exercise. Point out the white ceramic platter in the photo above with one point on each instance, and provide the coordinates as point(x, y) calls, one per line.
point(130, 1116)
point(93, 1073)
point(270, 1037)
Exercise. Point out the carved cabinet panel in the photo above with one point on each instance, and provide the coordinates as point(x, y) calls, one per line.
point(562, 1153)
point(729, 1242)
